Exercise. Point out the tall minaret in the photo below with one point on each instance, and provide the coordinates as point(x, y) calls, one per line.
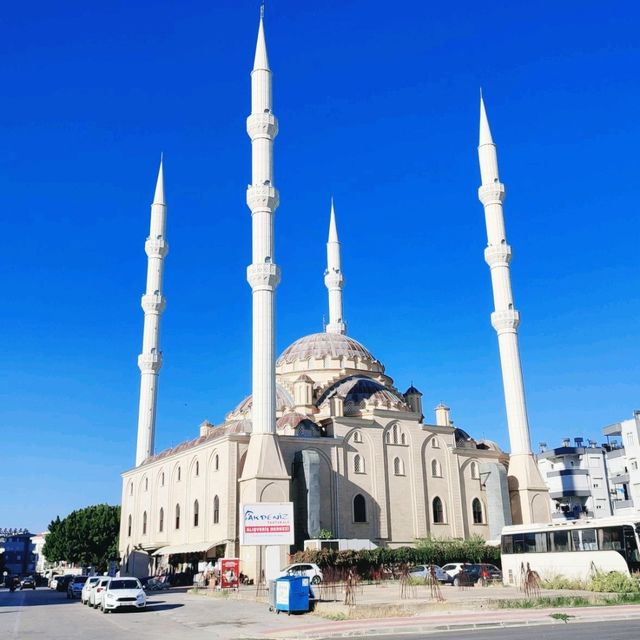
point(529, 495)
point(153, 304)
point(333, 279)
point(264, 476)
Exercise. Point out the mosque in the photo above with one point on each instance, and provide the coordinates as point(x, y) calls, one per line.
point(324, 428)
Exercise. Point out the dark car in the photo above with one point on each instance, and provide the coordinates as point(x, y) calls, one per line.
point(470, 574)
point(74, 588)
point(63, 582)
point(27, 583)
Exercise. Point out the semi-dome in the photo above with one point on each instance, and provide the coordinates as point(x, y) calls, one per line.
point(284, 401)
point(357, 391)
point(321, 345)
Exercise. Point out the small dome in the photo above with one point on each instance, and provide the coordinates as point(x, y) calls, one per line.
point(357, 390)
point(321, 345)
point(464, 440)
point(300, 424)
point(283, 402)
point(412, 390)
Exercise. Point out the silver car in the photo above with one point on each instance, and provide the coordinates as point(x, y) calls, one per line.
point(426, 570)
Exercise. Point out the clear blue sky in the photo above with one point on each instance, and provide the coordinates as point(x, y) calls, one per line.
point(378, 105)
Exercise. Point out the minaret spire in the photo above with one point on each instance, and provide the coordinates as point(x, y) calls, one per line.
point(333, 278)
point(153, 304)
point(525, 481)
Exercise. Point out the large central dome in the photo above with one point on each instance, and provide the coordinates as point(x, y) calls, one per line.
point(322, 345)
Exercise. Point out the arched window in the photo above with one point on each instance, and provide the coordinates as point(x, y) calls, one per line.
point(161, 520)
point(398, 467)
point(359, 509)
point(474, 470)
point(357, 437)
point(129, 527)
point(436, 469)
point(476, 508)
point(146, 484)
point(387, 437)
point(403, 439)
point(394, 431)
point(358, 464)
point(196, 513)
point(438, 511)
point(177, 516)
point(216, 462)
point(162, 479)
point(216, 510)
point(144, 523)
point(179, 473)
point(435, 444)
point(131, 488)
point(197, 468)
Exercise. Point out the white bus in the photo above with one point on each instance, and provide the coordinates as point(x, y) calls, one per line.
point(573, 549)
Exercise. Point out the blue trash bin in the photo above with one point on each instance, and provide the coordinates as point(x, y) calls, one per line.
point(292, 594)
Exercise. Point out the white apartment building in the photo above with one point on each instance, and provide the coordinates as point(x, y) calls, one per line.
point(576, 475)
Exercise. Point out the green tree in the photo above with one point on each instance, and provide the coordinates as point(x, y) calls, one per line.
point(87, 537)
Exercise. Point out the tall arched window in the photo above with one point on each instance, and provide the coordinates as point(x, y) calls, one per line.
point(177, 516)
point(359, 509)
point(131, 488)
point(196, 513)
point(403, 439)
point(179, 473)
point(398, 467)
point(216, 462)
point(435, 444)
point(394, 431)
point(146, 484)
point(387, 437)
point(144, 523)
point(436, 469)
point(357, 437)
point(358, 464)
point(197, 468)
point(129, 527)
point(474, 470)
point(216, 510)
point(161, 520)
point(476, 508)
point(162, 479)
point(438, 511)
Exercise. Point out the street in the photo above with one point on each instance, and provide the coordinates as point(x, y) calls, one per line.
point(177, 615)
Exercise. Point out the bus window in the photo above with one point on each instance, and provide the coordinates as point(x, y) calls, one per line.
point(560, 541)
point(529, 542)
point(507, 544)
point(631, 548)
point(610, 538)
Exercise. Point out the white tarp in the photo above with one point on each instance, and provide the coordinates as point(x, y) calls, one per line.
point(192, 547)
point(266, 523)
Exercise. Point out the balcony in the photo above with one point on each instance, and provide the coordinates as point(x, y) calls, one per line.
point(622, 504)
point(615, 453)
point(560, 516)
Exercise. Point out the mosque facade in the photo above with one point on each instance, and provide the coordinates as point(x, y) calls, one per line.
point(324, 428)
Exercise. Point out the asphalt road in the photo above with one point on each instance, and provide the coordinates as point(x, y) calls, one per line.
point(623, 630)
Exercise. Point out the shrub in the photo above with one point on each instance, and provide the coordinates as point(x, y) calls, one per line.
point(613, 582)
point(560, 582)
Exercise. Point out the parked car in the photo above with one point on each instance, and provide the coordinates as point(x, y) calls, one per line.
point(490, 572)
point(87, 587)
point(453, 568)
point(424, 571)
point(53, 581)
point(469, 574)
point(62, 582)
point(312, 571)
point(27, 583)
point(74, 588)
point(96, 594)
point(121, 593)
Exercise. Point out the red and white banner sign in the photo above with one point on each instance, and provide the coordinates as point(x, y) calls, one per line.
point(266, 523)
point(229, 573)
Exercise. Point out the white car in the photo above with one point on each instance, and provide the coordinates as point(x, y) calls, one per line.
point(312, 571)
point(96, 594)
point(424, 571)
point(122, 593)
point(453, 568)
point(88, 586)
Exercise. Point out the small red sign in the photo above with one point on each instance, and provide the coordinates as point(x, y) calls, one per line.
point(229, 573)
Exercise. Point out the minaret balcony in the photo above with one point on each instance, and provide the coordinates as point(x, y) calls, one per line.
point(497, 255)
point(491, 193)
point(507, 320)
point(262, 197)
point(156, 247)
point(153, 303)
point(262, 125)
point(150, 362)
point(263, 276)
point(333, 279)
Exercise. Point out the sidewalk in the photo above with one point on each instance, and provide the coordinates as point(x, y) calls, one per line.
point(460, 620)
